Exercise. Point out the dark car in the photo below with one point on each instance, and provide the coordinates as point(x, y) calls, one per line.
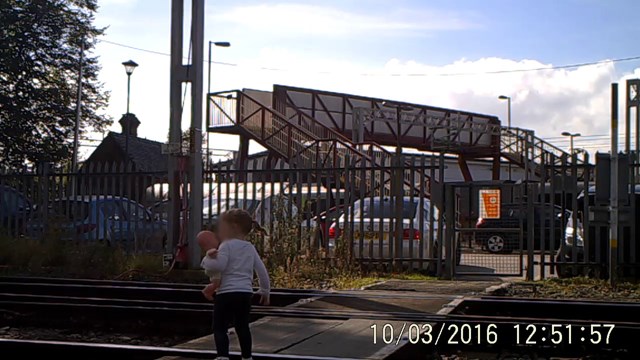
point(15, 209)
point(514, 216)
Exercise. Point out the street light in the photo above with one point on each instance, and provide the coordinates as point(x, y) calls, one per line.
point(129, 66)
point(508, 98)
point(219, 44)
point(571, 136)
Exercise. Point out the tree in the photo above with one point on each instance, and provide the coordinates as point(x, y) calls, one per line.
point(40, 44)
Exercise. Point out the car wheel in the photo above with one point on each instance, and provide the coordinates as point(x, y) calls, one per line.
point(496, 243)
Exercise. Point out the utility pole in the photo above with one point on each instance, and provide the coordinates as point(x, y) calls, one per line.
point(177, 77)
point(195, 168)
point(76, 133)
point(613, 227)
point(191, 73)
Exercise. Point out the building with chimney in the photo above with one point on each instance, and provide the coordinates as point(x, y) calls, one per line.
point(139, 160)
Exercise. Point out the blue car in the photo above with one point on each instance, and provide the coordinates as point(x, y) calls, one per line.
point(15, 209)
point(112, 219)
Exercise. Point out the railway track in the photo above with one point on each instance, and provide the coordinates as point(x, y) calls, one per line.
point(79, 350)
point(168, 305)
point(172, 291)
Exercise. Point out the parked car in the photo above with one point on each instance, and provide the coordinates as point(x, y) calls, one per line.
point(15, 210)
point(376, 215)
point(497, 241)
point(572, 253)
point(113, 219)
point(573, 242)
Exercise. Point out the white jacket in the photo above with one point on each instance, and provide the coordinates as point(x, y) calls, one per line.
point(236, 261)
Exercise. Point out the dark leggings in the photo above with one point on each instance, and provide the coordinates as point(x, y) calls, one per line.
point(234, 306)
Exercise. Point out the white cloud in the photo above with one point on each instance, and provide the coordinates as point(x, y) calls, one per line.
point(295, 20)
point(548, 101)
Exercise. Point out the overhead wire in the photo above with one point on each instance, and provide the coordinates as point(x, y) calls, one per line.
point(491, 72)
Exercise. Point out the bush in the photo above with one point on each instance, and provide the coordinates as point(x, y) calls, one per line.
point(291, 258)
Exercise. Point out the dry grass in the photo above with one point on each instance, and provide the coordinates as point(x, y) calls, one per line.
point(576, 288)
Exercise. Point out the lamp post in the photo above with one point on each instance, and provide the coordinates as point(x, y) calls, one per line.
point(129, 66)
point(571, 136)
point(211, 44)
point(508, 98)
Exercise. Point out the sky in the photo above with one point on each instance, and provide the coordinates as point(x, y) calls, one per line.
point(457, 54)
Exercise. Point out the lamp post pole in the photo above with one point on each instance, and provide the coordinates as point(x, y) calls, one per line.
point(128, 91)
point(76, 132)
point(129, 66)
point(219, 44)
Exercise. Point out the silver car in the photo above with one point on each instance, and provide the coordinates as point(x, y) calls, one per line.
point(375, 215)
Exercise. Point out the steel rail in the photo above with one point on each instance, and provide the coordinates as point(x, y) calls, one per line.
point(29, 298)
point(507, 299)
point(323, 313)
point(275, 312)
point(166, 287)
point(64, 349)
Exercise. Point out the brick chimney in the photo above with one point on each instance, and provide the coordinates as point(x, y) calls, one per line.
point(129, 123)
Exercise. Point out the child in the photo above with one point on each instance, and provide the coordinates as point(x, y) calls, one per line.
point(208, 241)
point(236, 259)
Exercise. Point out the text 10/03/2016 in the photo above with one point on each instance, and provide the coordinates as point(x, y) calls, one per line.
point(490, 334)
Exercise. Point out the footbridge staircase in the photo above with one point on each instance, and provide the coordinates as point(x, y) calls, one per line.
point(308, 144)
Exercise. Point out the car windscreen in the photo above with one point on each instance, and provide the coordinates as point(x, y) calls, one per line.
point(383, 209)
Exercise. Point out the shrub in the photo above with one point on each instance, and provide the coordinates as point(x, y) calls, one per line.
point(291, 258)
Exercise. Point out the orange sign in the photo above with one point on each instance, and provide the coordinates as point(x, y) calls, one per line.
point(490, 203)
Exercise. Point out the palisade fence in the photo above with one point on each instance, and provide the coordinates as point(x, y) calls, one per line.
point(383, 223)
point(102, 202)
point(113, 203)
point(386, 223)
point(583, 193)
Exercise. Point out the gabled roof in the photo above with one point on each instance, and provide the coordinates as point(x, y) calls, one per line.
point(144, 153)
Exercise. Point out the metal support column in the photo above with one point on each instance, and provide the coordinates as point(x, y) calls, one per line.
point(195, 170)
point(613, 203)
point(633, 101)
point(192, 73)
point(175, 130)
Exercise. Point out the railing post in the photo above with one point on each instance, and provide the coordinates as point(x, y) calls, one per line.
point(262, 123)
point(449, 199)
point(289, 141)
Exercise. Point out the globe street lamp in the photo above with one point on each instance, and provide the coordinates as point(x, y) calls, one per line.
point(129, 66)
point(571, 136)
